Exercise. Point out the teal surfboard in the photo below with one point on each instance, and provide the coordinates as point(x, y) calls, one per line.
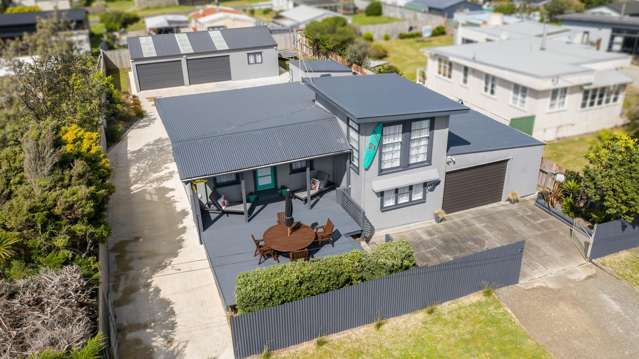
point(373, 143)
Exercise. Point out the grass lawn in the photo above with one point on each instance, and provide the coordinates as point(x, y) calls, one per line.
point(264, 14)
point(472, 327)
point(625, 265)
point(406, 53)
point(372, 20)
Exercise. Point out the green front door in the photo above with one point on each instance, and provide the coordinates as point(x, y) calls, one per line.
point(265, 179)
point(524, 124)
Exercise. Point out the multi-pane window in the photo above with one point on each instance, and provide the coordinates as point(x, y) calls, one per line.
point(419, 133)
point(558, 99)
point(391, 146)
point(520, 94)
point(226, 180)
point(299, 166)
point(402, 196)
point(489, 84)
point(444, 68)
point(600, 96)
point(464, 75)
point(254, 58)
point(353, 140)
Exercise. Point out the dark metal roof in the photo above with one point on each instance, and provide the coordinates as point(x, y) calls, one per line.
point(433, 4)
point(229, 131)
point(75, 15)
point(473, 132)
point(611, 21)
point(320, 66)
point(166, 45)
point(382, 97)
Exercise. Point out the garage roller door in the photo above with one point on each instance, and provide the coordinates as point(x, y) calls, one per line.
point(160, 75)
point(209, 69)
point(475, 186)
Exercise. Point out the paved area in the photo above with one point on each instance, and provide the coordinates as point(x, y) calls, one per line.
point(549, 246)
point(165, 298)
point(580, 312)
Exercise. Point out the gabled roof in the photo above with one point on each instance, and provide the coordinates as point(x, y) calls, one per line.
point(473, 132)
point(424, 5)
point(319, 66)
point(231, 131)
point(384, 97)
point(201, 42)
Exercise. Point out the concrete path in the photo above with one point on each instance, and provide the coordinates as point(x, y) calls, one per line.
point(165, 298)
point(581, 312)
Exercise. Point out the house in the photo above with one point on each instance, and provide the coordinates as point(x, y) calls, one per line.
point(427, 12)
point(341, 6)
point(515, 30)
point(481, 18)
point(547, 88)
point(184, 59)
point(298, 17)
point(13, 26)
point(44, 5)
point(166, 24)
point(433, 153)
point(619, 8)
point(222, 20)
point(614, 33)
point(316, 68)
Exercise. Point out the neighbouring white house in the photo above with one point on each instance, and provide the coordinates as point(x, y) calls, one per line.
point(45, 5)
point(299, 16)
point(544, 87)
point(222, 20)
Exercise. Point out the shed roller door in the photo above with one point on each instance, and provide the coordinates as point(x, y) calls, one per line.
point(209, 69)
point(475, 186)
point(160, 75)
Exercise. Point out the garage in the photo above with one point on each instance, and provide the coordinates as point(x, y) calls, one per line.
point(474, 186)
point(209, 69)
point(160, 75)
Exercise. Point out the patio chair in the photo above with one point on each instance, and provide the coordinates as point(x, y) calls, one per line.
point(325, 233)
point(324, 186)
point(299, 255)
point(214, 206)
point(263, 251)
point(281, 218)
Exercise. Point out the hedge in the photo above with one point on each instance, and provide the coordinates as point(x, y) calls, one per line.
point(409, 35)
point(279, 284)
point(438, 31)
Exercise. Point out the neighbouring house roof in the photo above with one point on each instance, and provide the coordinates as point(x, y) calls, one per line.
point(473, 132)
point(608, 78)
point(424, 5)
point(525, 56)
point(199, 42)
point(376, 98)
point(303, 14)
point(222, 16)
point(627, 22)
point(210, 10)
point(14, 25)
point(163, 21)
point(320, 66)
point(481, 17)
point(521, 30)
point(632, 7)
point(231, 131)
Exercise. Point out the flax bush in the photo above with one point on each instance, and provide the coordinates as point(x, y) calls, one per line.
point(279, 284)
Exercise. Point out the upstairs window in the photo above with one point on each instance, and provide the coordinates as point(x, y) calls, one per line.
point(419, 134)
point(558, 99)
point(391, 146)
point(444, 68)
point(254, 58)
point(405, 145)
point(489, 84)
point(520, 94)
point(464, 79)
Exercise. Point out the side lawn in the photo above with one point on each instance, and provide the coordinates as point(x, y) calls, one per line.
point(625, 265)
point(569, 152)
point(406, 54)
point(361, 19)
point(471, 327)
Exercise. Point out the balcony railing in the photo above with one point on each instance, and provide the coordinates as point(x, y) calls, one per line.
point(356, 212)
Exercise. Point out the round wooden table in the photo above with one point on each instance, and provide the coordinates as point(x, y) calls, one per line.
point(277, 237)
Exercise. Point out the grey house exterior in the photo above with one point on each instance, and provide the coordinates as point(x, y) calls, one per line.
point(183, 59)
point(434, 153)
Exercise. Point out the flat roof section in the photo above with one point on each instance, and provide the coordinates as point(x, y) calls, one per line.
point(320, 66)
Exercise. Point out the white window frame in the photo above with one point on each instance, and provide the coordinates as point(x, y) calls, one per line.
point(519, 96)
point(464, 77)
point(444, 68)
point(600, 97)
point(490, 84)
point(391, 144)
point(558, 99)
point(413, 194)
point(255, 58)
point(353, 141)
point(419, 141)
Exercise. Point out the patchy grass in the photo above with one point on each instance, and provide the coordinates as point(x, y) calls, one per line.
point(569, 152)
point(372, 20)
point(406, 54)
point(625, 265)
point(265, 15)
point(472, 327)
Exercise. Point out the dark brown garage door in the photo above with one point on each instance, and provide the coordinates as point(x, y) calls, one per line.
point(209, 69)
point(475, 186)
point(160, 75)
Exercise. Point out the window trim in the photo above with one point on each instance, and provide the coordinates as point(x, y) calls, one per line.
point(564, 103)
point(410, 202)
point(404, 158)
point(302, 170)
point(599, 97)
point(516, 97)
point(255, 53)
point(236, 181)
point(349, 128)
point(494, 85)
point(444, 68)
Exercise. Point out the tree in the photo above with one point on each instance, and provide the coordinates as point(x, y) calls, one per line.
point(632, 111)
point(118, 20)
point(594, 3)
point(558, 7)
point(23, 9)
point(331, 35)
point(505, 7)
point(374, 9)
point(609, 187)
point(357, 53)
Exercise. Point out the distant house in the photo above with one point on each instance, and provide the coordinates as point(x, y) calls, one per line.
point(222, 20)
point(619, 8)
point(427, 12)
point(615, 33)
point(166, 24)
point(341, 6)
point(546, 88)
point(170, 60)
point(13, 26)
point(45, 5)
point(298, 17)
point(515, 30)
point(316, 68)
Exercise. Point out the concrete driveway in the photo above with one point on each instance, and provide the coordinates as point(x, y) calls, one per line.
point(165, 298)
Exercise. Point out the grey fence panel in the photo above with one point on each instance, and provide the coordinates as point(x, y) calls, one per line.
point(356, 212)
point(614, 236)
point(397, 294)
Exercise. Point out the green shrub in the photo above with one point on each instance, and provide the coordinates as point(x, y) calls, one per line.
point(439, 31)
point(409, 35)
point(279, 284)
point(387, 69)
point(117, 20)
point(377, 51)
point(368, 36)
point(267, 11)
point(374, 9)
point(22, 9)
point(386, 37)
point(505, 7)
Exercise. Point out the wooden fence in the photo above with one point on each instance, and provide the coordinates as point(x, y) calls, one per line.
point(547, 174)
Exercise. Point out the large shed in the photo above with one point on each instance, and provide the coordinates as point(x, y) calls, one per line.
point(183, 59)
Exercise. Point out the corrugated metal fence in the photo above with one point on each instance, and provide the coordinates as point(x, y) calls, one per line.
point(397, 294)
point(613, 236)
